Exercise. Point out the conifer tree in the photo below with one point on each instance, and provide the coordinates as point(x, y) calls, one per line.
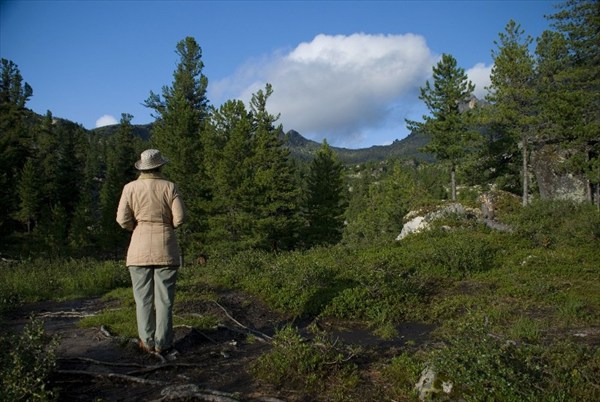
point(86, 221)
point(452, 134)
point(325, 203)
point(570, 60)
point(181, 115)
point(14, 138)
point(47, 154)
point(28, 190)
point(231, 148)
point(120, 160)
point(275, 192)
point(512, 93)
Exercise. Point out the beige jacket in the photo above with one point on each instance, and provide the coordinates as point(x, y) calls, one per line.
point(152, 208)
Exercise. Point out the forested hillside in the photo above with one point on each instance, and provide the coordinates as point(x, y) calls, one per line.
point(537, 130)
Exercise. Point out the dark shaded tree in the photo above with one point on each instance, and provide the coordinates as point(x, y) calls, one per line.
point(15, 141)
point(324, 202)
point(120, 160)
point(181, 114)
point(570, 70)
point(275, 191)
point(229, 149)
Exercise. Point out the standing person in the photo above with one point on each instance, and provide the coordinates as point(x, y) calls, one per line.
point(152, 208)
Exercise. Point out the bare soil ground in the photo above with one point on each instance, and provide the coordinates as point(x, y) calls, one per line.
point(209, 365)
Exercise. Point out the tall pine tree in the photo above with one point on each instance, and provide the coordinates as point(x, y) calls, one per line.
point(512, 94)
point(577, 86)
point(120, 170)
point(451, 128)
point(230, 148)
point(14, 138)
point(275, 192)
point(324, 203)
point(181, 115)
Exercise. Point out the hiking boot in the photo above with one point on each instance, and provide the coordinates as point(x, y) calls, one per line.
point(169, 353)
point(144, 348)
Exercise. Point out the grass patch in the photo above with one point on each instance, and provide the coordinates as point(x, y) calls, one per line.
point(42, 279)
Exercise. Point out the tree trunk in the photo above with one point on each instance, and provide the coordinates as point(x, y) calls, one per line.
point(453, 181)
point(525, 172)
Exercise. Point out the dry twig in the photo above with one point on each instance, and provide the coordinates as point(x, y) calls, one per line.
point(264, 337)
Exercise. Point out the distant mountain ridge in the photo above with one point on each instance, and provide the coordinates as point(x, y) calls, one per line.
point(406, 148)
point(305, 149)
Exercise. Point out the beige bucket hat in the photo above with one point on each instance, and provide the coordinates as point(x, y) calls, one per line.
point(150, 159)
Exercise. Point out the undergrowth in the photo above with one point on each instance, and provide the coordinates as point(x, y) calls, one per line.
point(509, 308)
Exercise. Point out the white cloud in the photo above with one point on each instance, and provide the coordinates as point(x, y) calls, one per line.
point(106, 120)
point(480, 76)
point(339, 87)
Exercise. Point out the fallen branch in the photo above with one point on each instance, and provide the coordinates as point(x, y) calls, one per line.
point(64, 314)
point(196, 330)
point(100, 363)
point(192, 391)
point(185, 391)
point(264, 337)
point(123, 377)
point(146, 370)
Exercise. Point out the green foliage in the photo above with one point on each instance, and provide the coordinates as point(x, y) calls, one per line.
point(402, 373)
point(15, 140)
point(450, 127)
point(27, 361)
point(482, 365)
point(555, 223)
point(458, 253)
point(275, 192)
point(41, 279)
point(568, 85)
point(181, 115)
point(378, 205)
point(324, 200)
point(255, 191)
point(314, 367)
point(512, 93)
point(120, 170)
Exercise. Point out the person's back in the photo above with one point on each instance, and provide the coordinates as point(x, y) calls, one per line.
point(152, 208)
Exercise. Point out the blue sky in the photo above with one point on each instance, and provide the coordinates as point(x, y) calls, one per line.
point(347, 71)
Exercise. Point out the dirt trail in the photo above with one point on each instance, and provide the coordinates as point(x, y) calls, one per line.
point(210, 365)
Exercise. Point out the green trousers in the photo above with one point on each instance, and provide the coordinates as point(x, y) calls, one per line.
point(154, 294)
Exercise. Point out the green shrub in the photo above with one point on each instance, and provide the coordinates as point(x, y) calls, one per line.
point(308, 366)
point(457, 253)
point(43, 279)
point(26, 362)
point(401, 375)
point(484, 365)
point(553, 223)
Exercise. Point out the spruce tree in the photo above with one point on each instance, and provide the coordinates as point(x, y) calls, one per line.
point(451, 130)
point(86, 221)
point(324, 202)
point(275, 192)
point(512, 94)
point(574, 96)
point(229, 150)
point(120, 160)
point(29, 193)
point(15, 141)
point(181, 115)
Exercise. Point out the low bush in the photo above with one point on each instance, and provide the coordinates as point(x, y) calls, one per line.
point(485, 365)
point(26, 362)
point(553, 223)
point(315, 367)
